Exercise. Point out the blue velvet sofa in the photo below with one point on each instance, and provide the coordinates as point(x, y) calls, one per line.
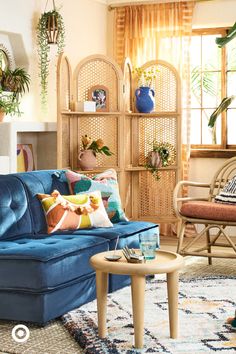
point(43, 276)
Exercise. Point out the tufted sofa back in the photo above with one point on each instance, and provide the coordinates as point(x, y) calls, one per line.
point(41, 182)
point(15, 218)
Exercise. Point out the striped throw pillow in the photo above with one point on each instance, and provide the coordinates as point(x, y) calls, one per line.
point(71, 212)
point(228, 193)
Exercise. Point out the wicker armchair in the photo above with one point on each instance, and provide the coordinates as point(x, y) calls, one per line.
point(206, 212)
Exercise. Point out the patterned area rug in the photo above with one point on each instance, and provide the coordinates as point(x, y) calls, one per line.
point(204, 305)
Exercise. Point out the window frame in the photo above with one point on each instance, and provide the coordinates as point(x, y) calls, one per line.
point(223, 150)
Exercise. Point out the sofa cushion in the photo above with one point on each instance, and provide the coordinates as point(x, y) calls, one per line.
point(41, 182)
point(106, 182)
point(128, 232)
point(209, 211)
point(71, 212)
point(46, 262)
point(15, 219)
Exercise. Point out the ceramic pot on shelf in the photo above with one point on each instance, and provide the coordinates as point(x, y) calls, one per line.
point(87, 160)
point(144, 99)
point(154, 159)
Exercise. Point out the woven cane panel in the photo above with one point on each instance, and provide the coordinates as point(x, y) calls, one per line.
point(104, 127)
point(127, 201)
point(98, 72)
point(128, 93)
point(162, 130)
point(66, 143)
point(156, 197)
point(165, 88)
point(65, 86)
point(127, 151)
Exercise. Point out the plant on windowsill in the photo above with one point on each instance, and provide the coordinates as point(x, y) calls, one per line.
point(50, 30)
point(87, 156)
point(161, 155)
point(13, 84)
point(225, 103)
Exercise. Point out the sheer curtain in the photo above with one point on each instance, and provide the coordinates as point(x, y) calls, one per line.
point(160, 31)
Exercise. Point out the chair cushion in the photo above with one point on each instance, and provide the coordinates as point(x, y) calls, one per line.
point(46, 262)
point(209, 211)
point(105, 182)
point(70, 212)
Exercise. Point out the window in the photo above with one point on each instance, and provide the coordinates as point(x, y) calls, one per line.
point(213, 77)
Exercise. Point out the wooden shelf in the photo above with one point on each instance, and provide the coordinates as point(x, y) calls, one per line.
point(154, 114)
point(142, 168)
point(76, 113)
point(127, 133)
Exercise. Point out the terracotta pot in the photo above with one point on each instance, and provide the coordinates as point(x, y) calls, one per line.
point(154, 159)
point(87, 160)
point(2, 115)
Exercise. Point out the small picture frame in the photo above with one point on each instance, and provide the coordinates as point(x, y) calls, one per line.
point(100, 95)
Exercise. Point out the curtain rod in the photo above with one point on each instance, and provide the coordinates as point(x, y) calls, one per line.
point(112, 7)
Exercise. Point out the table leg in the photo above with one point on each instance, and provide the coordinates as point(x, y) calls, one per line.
point(101, 288)
point(172, 288)
point(138, 289)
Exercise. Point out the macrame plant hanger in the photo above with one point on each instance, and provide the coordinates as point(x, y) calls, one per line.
point(52, 30)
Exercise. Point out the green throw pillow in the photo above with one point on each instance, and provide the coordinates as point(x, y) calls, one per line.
point(105, 182)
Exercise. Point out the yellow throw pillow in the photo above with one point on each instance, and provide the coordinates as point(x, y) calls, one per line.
point(71, 212)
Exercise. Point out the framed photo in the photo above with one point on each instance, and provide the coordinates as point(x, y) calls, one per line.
point(100, 95)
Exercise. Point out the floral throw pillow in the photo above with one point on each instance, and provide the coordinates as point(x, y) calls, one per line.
point(106, 182)
point(228, 193)
point(71, 212)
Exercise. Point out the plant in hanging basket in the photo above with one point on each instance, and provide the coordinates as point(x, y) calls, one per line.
point(50, 30)
point(161, 155)
point(13, 84)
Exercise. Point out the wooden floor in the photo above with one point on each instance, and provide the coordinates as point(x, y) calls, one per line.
point(170, 243)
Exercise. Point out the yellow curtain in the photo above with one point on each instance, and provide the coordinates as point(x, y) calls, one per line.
point(159, 31)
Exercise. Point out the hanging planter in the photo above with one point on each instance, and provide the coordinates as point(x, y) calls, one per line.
point(50, 30)
point(161, 155)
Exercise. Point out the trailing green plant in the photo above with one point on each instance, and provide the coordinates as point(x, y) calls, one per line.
point(9, 106)
point(44, 47)
point(13, 84)
point(166, 153)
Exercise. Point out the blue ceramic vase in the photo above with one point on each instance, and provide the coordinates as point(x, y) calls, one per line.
point(144, 99)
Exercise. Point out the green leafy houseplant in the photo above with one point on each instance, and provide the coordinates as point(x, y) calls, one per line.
point(50, 30)
point(13, 84)
point(222, 106)
point(164, 154)
point(97, 146)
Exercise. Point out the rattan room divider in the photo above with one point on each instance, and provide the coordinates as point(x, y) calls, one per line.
point(128, 134)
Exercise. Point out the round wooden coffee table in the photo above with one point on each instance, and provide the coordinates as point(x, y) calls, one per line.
point(165, 262)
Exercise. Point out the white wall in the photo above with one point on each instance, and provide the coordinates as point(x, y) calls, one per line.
point(85, 24)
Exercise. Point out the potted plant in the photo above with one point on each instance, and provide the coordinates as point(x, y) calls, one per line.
point(87, 156)
point(145, 94)
point(50, 30)
point(13, 84)
point(161, 155)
